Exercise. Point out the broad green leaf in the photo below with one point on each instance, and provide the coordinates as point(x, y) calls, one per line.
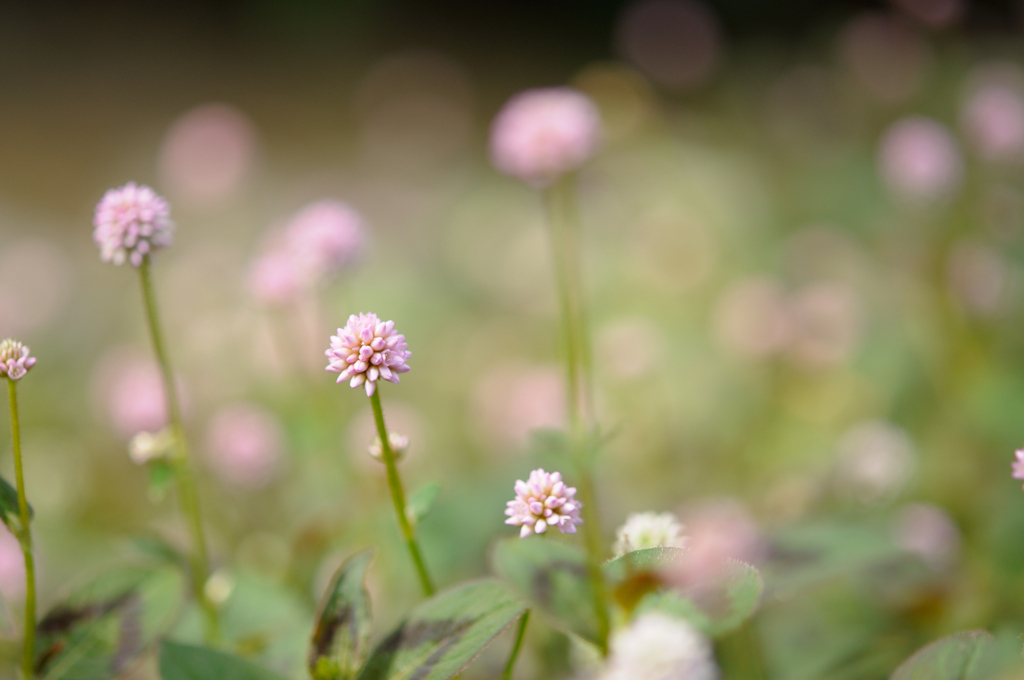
point(190, 662)
point(961, 656)
point(552, 576)
point(10, 513)
point(717, 607)
point(104, 627)
point(445, 634)
point(341, 637)
point(422, 502)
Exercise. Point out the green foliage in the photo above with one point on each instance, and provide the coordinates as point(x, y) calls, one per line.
point(103, 628)
point(961, 656)
point(552, 576)
point(341, 636)
point(10, 514)
point(445, 634)
point(422, 502)
point(189, 662)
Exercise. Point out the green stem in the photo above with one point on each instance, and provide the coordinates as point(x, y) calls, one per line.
point(564, 225)
point(516, 646)
point(25, 539)
point(398, 497)
point(187, 495)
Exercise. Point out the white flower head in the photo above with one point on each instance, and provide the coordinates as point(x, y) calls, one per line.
point(659, 647)
point(649, 530)
point(399, 445)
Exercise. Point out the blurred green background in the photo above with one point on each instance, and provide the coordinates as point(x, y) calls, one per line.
point(802, 255)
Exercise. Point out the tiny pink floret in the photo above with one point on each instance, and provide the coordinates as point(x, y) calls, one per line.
point(542, 501)
point(1018, 465)
point(366, 350)
point(130, 223)
point(14, 359)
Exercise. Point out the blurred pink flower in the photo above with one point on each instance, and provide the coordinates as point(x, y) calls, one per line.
point(930, 533)
point(131, 389)
point(932, 13)
point(324, 237)
point(751, 317)
point(207, 153)
point(888, 56)
point(130, 223)
point(544, 501)
point(367, 349)
point(35, 281)
point(15, 361)
point(543, 134)
point(675, 43)
point(718, 531)
point(993, 112)
point(826, 324)
point(12, 566)
point(275, 279)
point(514, 399)
point(244, 445)
point(1017, 466)
point(919, 160)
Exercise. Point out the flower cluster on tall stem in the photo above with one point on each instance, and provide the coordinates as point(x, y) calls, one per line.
point(130, 224)
point(15, 361)
point(365, 351)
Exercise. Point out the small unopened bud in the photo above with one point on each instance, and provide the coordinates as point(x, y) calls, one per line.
point(399, 445)
point(149, 446)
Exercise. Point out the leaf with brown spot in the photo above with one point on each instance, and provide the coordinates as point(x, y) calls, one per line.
point(341, 636)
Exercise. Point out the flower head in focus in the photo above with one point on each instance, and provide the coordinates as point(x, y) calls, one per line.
point(130, 223)
point(14, 359)
point(1017, 466)
point(649, 530)
point(366, 350)
point(399, 445)
point(658, 647)
point(544, 501)
point(542, 134)
point(323, 237)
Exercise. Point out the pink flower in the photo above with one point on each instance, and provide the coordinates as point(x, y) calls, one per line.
point(542, 134)
point(544, 501)
point(14, 359)
point(920, 161)
point(275, 279)
point(130, 223)
point(1018, 465)
point(244, 445)
point(367, 349)
point(324, 237)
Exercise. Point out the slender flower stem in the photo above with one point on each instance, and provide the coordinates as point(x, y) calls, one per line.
point(564, 225)
point(398, 496)
point(187, 495)
point(516, 646)
point(25, 539)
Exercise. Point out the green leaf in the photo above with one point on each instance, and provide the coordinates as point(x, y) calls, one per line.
point(190, 662)
point(422, 502)
point(552, 576)
point(445, 634)
point(103, 628)
point(341, 637)
point(716, 608)
point(10, 513)
point(961, 656)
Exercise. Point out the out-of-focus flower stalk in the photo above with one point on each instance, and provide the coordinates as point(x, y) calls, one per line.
point(516, 646)
point(398, 497)
point(24, 538)
point(560, 202)
point(187, 495)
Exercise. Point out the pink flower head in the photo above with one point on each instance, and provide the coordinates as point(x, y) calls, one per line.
point(244, 444)
point(367, 349)
point(324, 237)
point(14, 359)
point(542, 134)
point(130, 223)
point(544, 501)
point(275, 280)
point(1018, 465)
point(919, 160)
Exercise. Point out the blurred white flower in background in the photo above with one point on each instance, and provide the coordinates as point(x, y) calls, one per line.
point(930, 533)
point(649, 530)
point(659, 647)
point(630, 348)
point(826, 324)
point(876, 459)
